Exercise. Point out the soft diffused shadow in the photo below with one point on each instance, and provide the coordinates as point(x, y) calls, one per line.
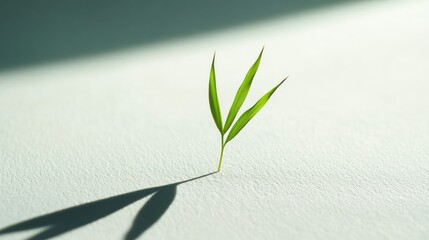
point(34, 32)
point(71, 218)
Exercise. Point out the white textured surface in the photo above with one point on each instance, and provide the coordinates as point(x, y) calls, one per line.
point(341, 151)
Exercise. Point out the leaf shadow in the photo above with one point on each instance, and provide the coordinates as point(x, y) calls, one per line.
point(68, 219)
point(152, 211)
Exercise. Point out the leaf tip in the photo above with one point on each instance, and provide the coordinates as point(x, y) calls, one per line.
point(284, 80)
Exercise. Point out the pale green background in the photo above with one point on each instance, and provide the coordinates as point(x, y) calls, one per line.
point(341, 151)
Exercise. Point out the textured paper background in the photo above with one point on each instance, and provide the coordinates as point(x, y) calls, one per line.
point(341, 151)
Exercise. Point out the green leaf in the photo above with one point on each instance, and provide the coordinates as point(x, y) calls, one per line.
point(250, 113)
point(242, 93)
point(213, 99)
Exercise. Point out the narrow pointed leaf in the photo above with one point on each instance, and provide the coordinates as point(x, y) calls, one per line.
point(242, 93)
point(250, 113)
point(213, 99)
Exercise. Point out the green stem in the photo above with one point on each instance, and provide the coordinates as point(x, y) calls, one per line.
point(221, 155)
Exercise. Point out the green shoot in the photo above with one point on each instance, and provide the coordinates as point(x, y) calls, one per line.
point(240, 96)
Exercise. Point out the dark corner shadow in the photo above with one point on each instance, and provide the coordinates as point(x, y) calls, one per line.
point(74, 217)
point(36, 32)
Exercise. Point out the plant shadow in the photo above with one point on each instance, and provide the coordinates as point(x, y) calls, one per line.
point(68, 219)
